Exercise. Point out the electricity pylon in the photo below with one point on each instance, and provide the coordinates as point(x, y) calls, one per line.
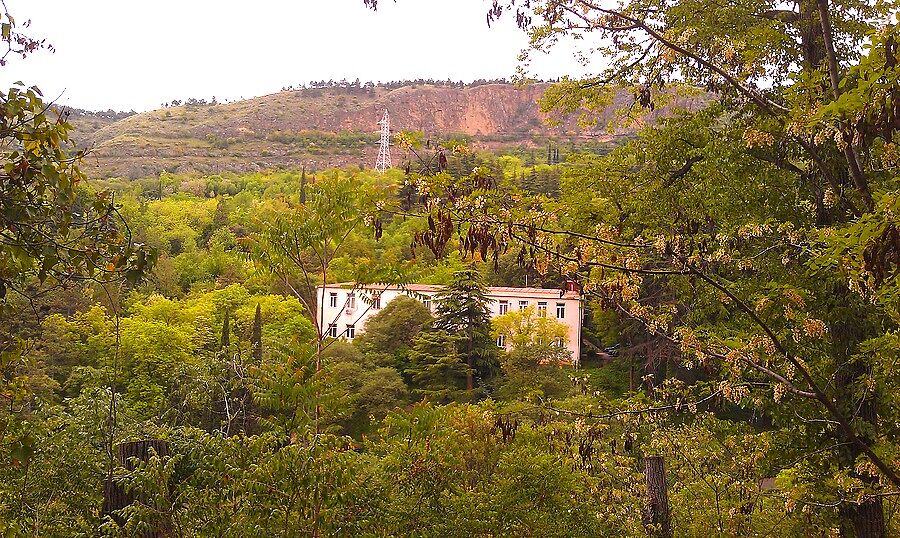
point(384, 153)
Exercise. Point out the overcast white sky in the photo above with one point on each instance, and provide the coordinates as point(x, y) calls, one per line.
point(137, 54)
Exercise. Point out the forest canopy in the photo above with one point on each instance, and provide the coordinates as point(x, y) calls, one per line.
point(738, 265)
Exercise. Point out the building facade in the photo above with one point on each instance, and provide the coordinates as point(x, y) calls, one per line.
point(345, 308)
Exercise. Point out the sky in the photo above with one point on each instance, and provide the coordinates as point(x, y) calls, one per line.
point(138, 54)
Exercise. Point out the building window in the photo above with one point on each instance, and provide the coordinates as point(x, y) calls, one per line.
point(542, 309)
point(351, 300)
point(351, 331)
point(332, 330)
point(504, 307)
point(558, 341)
point(376, 301)
point(560, 310)
point(427, 302)
point(501, 341)
point(332, 300)
point(523, 305)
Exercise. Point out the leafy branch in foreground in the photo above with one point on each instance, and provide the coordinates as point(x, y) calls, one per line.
point(754, 233)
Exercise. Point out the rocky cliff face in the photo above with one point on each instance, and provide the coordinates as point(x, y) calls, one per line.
point(318, 128)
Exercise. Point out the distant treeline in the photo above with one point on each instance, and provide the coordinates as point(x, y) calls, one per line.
point(192, 101)
point(105, 114)
point(394, 84)
point(357, 86)
point(343, 84)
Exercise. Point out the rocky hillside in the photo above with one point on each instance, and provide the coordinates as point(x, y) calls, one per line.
point(318, 128)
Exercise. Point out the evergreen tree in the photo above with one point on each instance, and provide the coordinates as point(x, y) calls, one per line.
point(226, 330)
point(303, 186)
point(256, 336)
point(219, 221)
point(437, 370)
point(532, 185)
point(462, 311)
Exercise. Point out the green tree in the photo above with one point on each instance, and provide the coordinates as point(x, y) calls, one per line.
point(390, 333)
point(437, 370)
point(534, 372)
point(226, 331)
point(462, 310)
point(297, 242)
point(370, 392)
point(53, 229)
point(256, 347)
point(532, 364)
point(291, 390)
point(523, 328)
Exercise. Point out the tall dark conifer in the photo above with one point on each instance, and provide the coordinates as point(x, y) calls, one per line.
point(302, 188)
point(226, 330)
point(463, 311)
point(256, 336)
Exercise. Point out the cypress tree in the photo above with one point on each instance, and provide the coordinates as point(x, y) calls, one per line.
point(226, 330)
point(256, 336)
point(302, 191)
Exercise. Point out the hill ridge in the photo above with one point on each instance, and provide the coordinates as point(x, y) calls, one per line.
point(319, 128)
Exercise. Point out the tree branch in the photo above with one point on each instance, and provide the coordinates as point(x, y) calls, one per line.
point(862, 185)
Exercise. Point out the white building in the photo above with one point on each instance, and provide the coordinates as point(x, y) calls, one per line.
point(345, 308)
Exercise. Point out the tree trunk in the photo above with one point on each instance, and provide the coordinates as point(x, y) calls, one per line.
point(853, 164)
point(318, 409)
point(867, 518)
point(114, 495)
point(812, 42)
point(656, 515)
point(470, 381)
point(140, 450)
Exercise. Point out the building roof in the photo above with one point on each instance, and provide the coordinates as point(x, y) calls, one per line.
point(494, 290)
point(549, 292)
point(407, 287)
